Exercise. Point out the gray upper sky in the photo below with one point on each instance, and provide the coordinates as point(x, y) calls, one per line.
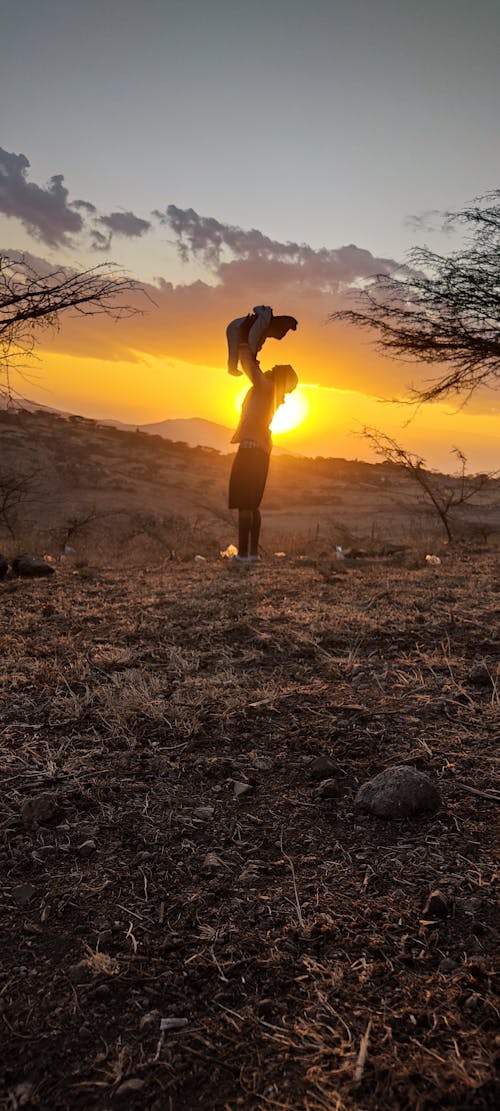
point(329, 122)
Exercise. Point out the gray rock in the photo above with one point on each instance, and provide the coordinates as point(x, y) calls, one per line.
point(135, 1084)
point(204, 813)
point(328, 789)
point(322, 767)
point(262, 763)
point(398, 792)
point(78, 973)
point(212, 861)
point(23, 893)
point(87, 848)
point(436, 905)
point(173, 1023)
point(480, 675)
point(447, 965)
point(250, 873)
point(240, 788)
point(31, 567)
point(150, 1018)
point(40, 809)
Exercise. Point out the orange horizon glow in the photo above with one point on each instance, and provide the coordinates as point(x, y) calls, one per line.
point(316, 420)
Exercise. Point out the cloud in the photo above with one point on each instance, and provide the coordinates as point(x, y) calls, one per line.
point(49, 216)
point(86, 206)
point(244, 268)
point(99, 241)
point(431, 220)
point(188, 321)
point(206, 239)
point(45, 212)
point(125, 223)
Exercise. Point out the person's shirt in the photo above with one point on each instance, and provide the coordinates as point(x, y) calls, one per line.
point(250, 329)
point(257, 412)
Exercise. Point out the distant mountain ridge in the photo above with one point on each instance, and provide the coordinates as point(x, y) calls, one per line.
point(194, 431)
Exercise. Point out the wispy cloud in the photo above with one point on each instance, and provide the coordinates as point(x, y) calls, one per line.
point(431, 220)
point(125, 223)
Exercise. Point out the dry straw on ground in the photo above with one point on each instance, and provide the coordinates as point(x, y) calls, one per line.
point(288, 930)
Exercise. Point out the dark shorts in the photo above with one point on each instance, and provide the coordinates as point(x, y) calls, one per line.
point(248, 478)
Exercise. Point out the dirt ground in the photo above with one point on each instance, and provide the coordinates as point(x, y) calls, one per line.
point(186, 925)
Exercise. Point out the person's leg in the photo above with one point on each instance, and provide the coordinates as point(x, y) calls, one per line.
point(245, 518)
point(255, 532)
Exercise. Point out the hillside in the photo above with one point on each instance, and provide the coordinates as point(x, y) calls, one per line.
point(193, 431)
point(139, 496)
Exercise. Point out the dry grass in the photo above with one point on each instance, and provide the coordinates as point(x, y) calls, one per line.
point(141, 882)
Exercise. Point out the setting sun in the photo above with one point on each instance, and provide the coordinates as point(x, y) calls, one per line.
point(289, 415)
point(292, 413)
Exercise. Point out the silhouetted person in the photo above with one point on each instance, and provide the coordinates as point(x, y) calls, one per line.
point(247, 335)
point(251, 464)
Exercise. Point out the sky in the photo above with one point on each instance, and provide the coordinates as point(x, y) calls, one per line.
point(228, 154)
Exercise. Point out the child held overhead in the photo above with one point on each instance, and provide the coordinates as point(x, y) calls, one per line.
point(246, 336)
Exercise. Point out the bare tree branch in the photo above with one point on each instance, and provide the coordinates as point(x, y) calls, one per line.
point(31, 301)
point(442, 310)
point(15, 489)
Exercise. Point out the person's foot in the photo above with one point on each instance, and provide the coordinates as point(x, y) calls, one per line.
point(254, 558)
point(241, 559)
point(236, 373)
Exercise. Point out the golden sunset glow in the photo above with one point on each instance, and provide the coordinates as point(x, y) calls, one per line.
point(315, 419)
point(293, 412)
point(275, 239)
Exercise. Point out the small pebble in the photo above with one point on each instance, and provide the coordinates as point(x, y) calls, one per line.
point(328, 789)
point(135, 1084)
point(241, 788)
point(436, 905)
point(23, 893)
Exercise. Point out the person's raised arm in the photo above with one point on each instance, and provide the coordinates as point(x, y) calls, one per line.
point(256, 337)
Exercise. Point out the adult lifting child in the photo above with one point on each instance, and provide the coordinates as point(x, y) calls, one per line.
point(246, 337)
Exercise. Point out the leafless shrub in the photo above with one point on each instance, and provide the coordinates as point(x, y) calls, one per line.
point(31, 300)
point(444, 494)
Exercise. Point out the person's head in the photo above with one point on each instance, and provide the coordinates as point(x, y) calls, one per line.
point(280, 325)
point(285, 380)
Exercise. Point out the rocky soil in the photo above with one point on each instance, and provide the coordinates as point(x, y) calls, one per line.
point(197, 910)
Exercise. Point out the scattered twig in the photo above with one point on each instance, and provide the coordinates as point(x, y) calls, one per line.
point(493, 797)
point(362, 1055)
point(292, 869)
